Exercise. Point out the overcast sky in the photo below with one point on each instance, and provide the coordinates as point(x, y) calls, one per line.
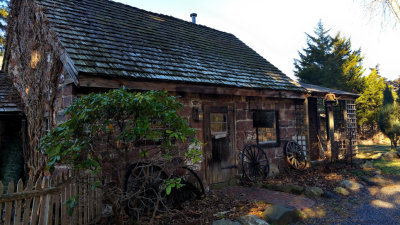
point(276, 28)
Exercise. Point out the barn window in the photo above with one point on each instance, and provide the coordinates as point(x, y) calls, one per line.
point(266, 124)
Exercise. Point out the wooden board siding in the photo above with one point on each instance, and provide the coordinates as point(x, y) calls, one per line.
point(102, 82)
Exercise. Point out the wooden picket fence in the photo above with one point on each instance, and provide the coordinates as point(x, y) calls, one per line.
point(43, 202)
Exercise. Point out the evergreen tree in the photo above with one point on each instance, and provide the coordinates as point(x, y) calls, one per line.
point(389, 123)
point(330, 62)
point(370, 101)
point(398, 95)
point(388, 98)
point(389, 116)
point(313, 63)
point(350, 70)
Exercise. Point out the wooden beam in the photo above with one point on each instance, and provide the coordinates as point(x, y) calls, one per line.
point(101, 82)
point(70, 68)
point(307, 123)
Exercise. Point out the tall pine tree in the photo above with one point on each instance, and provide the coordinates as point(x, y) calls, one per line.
point(388, 97)
point(330, 62)
point(316, 58)
point(389, 117)
point(348, 64)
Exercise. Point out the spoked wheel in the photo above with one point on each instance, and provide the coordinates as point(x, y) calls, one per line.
point(192, 188)
point(295, 155)
point(144, 184)
point(255, 163)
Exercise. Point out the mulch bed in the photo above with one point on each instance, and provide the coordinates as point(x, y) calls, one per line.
point(325, 177)
point(205, 211)
point(217, 205)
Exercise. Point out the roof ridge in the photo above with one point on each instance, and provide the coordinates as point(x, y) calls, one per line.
point(155, 13)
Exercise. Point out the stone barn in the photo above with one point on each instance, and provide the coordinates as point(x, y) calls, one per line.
point(57, 50)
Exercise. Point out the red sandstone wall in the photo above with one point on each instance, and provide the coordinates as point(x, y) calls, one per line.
point(245, 133)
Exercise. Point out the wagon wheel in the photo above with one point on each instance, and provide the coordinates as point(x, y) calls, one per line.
point(255, 163)
point(192, 188)
point(295, 155)
point(143, 185)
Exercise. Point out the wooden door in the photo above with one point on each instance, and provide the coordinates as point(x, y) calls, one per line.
point(218, 133)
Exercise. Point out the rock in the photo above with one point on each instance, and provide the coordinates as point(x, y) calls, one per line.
point(252, 220)
point(107, 211)
point(221, 214)
point(328, 194)
point(296, 189)
point(270, 186)
point(290, 188)
point(341, 191)
point(281, 214)
point(276, 187)
point(351, 185)
point(273, 170)
point(379, 180)
point(283, 188)
point(225, 222)
point(314, 192)
point(368, 165)
point(368, 181)
point(376, 156)
point(388, 156)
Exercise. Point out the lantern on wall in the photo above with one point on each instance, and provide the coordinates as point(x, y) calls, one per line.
point(197, 114)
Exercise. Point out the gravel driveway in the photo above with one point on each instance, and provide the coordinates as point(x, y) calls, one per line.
point(376, 205)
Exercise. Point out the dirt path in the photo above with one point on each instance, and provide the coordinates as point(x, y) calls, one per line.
point(377, 205)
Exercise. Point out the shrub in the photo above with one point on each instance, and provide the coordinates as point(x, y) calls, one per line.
point(106, 132)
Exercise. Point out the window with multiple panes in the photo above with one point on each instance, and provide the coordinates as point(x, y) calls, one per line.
point(218, 125)
point(265, 122)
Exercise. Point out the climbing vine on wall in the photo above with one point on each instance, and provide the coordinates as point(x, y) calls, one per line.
point(33, 61)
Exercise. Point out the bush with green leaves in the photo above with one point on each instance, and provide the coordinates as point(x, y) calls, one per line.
point(107, 132)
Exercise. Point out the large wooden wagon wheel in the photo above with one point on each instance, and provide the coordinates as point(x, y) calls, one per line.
point(143, 185)
point(255, 164)
point(192, 186)
point(295, 155)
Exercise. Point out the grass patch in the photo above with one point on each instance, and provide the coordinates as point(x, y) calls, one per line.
point(388, 167)
point(373, 149)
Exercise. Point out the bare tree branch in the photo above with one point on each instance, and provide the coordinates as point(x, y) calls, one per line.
point(389, 9)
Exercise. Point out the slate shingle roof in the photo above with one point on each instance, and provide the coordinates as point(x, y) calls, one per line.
point(106, 38)
point(10, 101)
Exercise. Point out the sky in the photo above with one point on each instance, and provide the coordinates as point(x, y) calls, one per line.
point(276, 28)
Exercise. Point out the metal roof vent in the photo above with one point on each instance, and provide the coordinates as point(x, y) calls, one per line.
point(193, 15)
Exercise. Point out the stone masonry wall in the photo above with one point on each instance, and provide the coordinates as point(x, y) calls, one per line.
point(245, 133)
